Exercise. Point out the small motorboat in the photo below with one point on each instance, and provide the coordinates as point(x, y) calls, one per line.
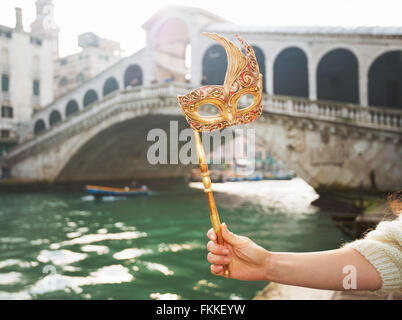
point(99, 191)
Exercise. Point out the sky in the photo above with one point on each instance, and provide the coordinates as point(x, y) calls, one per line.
point(121, 20)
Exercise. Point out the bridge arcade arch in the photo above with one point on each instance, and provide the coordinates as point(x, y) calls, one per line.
point(133, 76)
point(71, 108)
point(54, 117)
point(385, 80)
point(214, 65)
point(39, 126)
point(110, 85)
point(291, 73)
point(337, 76)
point(260, 56)
point(90, 97)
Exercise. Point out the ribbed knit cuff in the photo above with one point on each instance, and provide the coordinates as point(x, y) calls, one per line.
point(389, 272)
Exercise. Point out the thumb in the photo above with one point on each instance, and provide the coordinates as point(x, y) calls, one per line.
point(230, 237)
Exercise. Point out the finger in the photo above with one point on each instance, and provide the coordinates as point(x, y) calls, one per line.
point(211, 234)
point(217, 249)
point(230, 237)
point(217, 269)
point(217, 259)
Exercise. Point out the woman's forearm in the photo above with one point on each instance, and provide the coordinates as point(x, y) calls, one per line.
point(322, 270)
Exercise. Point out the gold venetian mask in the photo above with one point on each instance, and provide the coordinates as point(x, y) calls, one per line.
point(242, 77)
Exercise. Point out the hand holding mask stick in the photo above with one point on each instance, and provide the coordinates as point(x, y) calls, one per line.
point(242, 77)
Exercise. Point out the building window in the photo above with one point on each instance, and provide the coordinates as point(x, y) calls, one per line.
point(63, 82)
point(63, 62)
point(5, 133)
point(103, 57)
point(36, 41)
point(5, 33)
point(36, 88)
point(5, 83)
point(7, 112)
point(80, 77)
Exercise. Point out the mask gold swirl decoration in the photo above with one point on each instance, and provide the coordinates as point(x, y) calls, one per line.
point(242, 77)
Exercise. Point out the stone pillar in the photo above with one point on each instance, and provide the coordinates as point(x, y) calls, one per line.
point(196, 63)
point(363, 82)
point(312, 65)
point(269, 73)
point(199, 46)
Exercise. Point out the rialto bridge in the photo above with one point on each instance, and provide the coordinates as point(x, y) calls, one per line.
point(332, 104)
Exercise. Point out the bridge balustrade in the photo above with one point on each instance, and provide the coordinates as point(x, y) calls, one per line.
point(152, 95)
point(339, 112)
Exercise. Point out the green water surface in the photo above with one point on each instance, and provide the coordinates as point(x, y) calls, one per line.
point(68, 246)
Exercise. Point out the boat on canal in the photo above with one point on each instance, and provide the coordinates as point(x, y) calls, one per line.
point(100, 191)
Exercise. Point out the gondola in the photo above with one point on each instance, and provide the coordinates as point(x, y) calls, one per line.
point(100, 191)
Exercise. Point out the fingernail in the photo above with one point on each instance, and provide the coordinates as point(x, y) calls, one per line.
point(225, 251)
point(226, 260)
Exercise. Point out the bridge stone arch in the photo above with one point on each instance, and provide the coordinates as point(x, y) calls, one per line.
point(385, 80)
point(260, 56)
point(90, 97)
point(214, 65)
point(337, 76)
point(55, 117)
point(110, 86)
point(133, 76)
point(327, 154)
point(60, 144)
point(169, 40)
point(39, 126)
point(112, 155)
point(291, 73)
point(71, 108)
point(321, 151)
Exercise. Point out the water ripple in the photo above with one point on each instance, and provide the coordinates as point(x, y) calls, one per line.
point(130, 253)
point(10, 278)
point(164, 296)
point(159, 267)
point(60, 257)
point(95, 248)
point(91, 238)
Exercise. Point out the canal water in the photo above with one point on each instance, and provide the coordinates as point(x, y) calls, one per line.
point(70, 246)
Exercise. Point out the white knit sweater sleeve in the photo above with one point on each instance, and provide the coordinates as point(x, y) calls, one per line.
point(382, 247)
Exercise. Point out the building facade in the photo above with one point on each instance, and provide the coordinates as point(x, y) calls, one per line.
point(97, 54)
point(32, 74)
point(26, 75)
point(355, 65)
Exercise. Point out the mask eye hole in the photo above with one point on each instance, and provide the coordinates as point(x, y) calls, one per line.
point(245, 101)
point(208, 110)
